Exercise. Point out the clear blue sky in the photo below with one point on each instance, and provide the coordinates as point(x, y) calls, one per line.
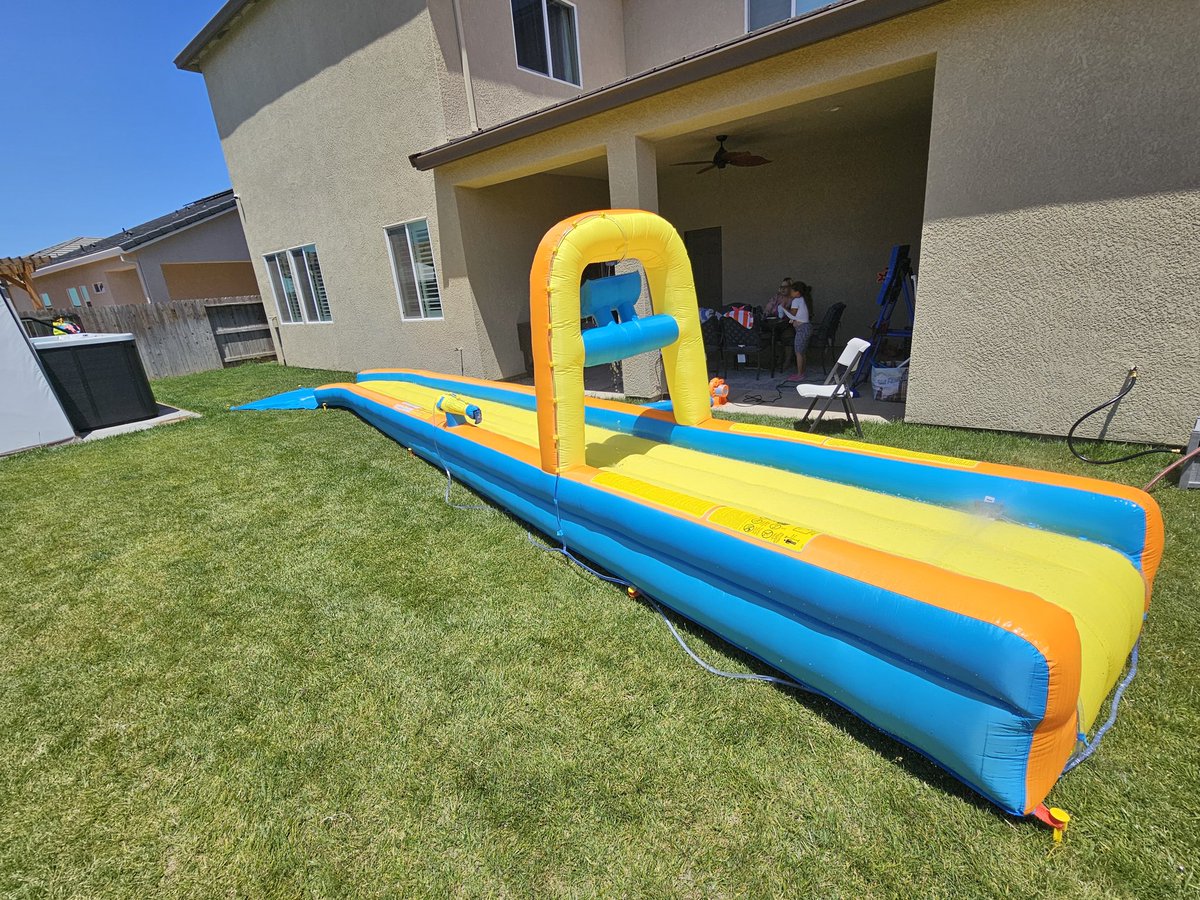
point(101, 131)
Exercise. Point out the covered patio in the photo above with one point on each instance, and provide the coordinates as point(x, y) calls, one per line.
point(754, 394)
point(844, 182)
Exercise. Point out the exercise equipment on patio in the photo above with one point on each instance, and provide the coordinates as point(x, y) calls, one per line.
point(975, 612)
point(896, 284)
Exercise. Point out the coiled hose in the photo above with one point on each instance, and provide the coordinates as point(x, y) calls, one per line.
point(1130, 381)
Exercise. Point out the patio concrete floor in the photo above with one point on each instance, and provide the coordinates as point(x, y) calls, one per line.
point(765, 395)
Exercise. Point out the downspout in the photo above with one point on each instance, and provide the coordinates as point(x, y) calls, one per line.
point(472, 117)
point(272, 319)
point(137, 263)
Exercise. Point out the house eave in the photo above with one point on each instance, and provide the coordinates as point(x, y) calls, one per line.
point(189, 57)
point(99, 256)
point(820, 25)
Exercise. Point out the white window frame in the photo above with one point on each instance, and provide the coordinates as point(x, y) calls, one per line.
point(304, 319)
point(546, 30)
point(387, 240)
point(794, 13)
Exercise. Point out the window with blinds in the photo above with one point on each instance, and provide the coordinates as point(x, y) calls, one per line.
point(413, 267)
point(298, 285)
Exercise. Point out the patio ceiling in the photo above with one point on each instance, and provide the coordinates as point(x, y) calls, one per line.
point(781, 133)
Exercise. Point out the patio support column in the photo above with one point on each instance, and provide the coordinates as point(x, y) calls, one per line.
point(633, 184)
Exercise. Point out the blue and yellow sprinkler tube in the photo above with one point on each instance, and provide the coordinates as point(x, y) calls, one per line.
point(559, 349)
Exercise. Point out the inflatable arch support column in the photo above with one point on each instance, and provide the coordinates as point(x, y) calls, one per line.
point(555, 309)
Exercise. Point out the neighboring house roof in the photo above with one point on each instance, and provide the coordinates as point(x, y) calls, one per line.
point(131, 238)
point(838, 18)
point(66, 247)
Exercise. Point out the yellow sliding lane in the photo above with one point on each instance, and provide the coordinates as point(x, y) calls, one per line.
point(1098, 586)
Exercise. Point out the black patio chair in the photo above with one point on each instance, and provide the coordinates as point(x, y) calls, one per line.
point(742, 341)
point(710, 332)
point(824, 334)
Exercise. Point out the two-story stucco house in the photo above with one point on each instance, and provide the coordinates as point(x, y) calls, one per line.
point(1039, 156)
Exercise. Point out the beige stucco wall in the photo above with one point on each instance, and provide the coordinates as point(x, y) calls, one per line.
point(502, 89)
point(216, 240)
point(206, 280)
point(125, 285)
point(116, 290)
point(1062, 234)
point(21, 299)
point(501, 227)
point(1059, 241)
point(659, 31)
point(392, 72)
point(1060, 213)
point(318, 106)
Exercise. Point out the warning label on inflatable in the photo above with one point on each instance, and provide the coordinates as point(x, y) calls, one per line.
point(792, 536)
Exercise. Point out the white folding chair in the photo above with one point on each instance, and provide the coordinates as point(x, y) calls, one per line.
point(837, 385)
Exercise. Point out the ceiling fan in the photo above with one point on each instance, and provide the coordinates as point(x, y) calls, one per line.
point(723, 158)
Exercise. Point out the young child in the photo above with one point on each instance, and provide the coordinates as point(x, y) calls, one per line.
point(797, 311)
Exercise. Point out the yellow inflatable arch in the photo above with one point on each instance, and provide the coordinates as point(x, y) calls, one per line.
point(560, 347)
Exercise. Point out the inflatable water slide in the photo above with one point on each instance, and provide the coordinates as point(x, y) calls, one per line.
point(978, 613)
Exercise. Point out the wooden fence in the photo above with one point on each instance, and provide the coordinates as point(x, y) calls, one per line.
point(241, 331)
point(185, 336)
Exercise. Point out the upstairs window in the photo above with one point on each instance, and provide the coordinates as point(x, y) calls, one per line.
point(412, 264)
point(547, 39)
point(761, 13)
point(298, 285)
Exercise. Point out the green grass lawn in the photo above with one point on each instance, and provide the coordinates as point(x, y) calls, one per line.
point(255, 654)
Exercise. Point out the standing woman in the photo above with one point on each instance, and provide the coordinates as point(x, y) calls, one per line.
point(798, 310)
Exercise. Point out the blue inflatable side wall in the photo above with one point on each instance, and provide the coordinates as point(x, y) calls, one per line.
point(963, 692)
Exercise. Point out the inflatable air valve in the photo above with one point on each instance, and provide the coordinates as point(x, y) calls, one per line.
point(458, 411)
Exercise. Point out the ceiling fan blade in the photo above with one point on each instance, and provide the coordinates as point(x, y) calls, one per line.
point(743, 158)
point(706, 168)
point(694, 162)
